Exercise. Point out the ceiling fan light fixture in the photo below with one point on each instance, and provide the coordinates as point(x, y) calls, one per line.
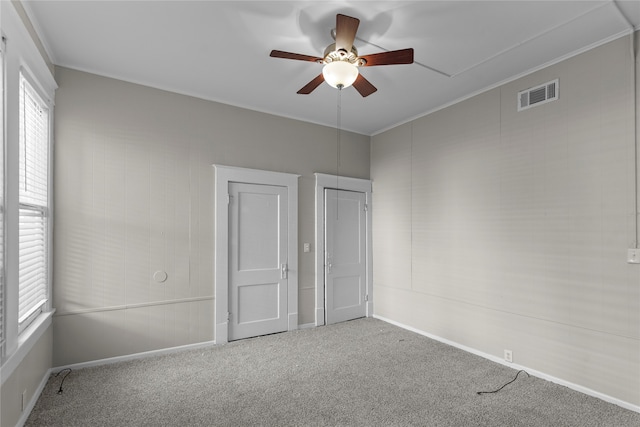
point(340, 74)
point(341, 60)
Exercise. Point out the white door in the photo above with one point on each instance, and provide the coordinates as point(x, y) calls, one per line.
point(345, 255)
point(257, 260)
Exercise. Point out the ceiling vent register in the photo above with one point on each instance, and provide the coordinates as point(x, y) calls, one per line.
point(538, 95)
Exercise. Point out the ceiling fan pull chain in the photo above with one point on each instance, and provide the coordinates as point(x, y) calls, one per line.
point(338, 132)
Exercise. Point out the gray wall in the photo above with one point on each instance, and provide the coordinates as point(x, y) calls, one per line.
point(503, 230)
point(134, 194)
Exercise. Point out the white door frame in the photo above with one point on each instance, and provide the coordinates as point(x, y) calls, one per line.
point(339, 183)
point(224, 175)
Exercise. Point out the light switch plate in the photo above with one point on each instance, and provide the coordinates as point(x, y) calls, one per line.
point(633, 256)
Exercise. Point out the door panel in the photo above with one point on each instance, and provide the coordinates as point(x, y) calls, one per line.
point(345, 258)
point(347, 292)
point(258, 302)
point(258, 238)
point(257, 260)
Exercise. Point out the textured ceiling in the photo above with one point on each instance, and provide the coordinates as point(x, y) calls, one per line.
point(220, 50)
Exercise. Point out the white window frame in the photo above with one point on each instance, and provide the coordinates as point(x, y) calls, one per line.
point(35, 209)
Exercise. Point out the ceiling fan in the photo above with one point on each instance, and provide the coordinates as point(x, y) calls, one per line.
point(341, 60)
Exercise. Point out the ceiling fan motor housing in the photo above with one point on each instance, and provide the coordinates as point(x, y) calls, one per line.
point(332, 55)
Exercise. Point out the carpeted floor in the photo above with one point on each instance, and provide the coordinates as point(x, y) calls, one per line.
point(360, 373)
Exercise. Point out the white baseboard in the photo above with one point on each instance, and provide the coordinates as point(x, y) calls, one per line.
point(560, 381)
point(110, 360)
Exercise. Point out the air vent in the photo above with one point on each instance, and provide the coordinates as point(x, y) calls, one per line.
point(538, 95)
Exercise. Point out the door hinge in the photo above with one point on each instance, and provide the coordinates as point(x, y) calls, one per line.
point(366, 207)
point(284, 271)
point(229, 197)
point(366, 297)
point(228, 316)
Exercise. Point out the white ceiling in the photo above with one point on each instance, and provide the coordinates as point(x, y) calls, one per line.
point(220, 50)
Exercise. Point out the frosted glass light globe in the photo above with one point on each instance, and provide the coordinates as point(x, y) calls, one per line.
point(340, 74)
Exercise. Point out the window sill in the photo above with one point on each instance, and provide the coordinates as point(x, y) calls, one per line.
point(26, 340)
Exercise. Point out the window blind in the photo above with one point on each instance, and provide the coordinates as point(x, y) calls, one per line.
point(34, 183)
point(34, 147)
point(33, 265)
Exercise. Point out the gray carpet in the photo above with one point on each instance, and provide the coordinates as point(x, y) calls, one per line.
point(360, 373)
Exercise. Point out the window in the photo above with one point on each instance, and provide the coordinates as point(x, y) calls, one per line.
point(34, 204)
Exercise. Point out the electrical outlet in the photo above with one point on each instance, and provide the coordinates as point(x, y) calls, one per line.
point(633, 256)
point(508, 356)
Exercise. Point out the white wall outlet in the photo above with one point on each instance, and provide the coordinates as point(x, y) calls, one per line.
point(633, 256)
point(508, 355)
point(306, 247)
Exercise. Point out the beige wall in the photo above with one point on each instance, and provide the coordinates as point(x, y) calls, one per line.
point(504, 230)
point(134, 194)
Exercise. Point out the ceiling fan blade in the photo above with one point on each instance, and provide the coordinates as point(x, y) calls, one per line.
point(363, 86)
point(403, 56)
point(310, 87)
point(296, 56)
point(346, 28)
